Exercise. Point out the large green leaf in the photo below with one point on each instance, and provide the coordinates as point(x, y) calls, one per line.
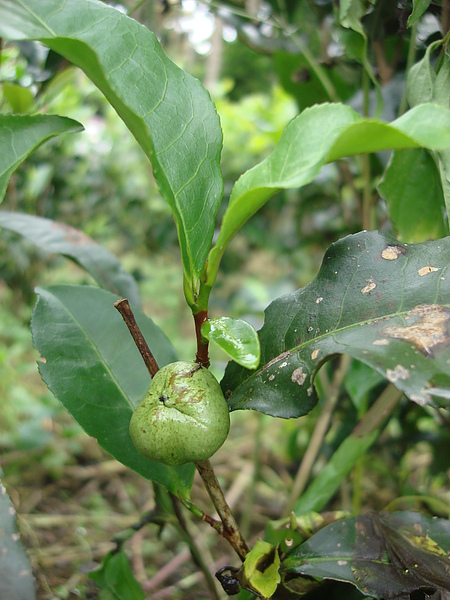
point(384, 303)
point(168, 111)
point(384, 555)
point(411, 186)
point(56, 237)
point(320, 135)
point(16, 577)
point(21, 134)
point(91, 364)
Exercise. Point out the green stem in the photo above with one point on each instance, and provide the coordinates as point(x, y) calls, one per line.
point(230, 528)
point(378, 412)
point(318, 434)
point(409, 63)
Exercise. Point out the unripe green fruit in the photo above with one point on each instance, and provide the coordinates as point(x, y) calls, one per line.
point(183, 417)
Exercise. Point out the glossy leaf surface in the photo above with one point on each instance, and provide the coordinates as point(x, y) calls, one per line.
point(419, 7)
point(21, 134)
point(236, 337)
point(384, 303)
point(384, 555)
point(52, 236)
point(320, 135)
point(16, 577)
point(91, 364)
point(168, 111)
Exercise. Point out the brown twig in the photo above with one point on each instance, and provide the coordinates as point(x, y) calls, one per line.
point(202, 357)
point(123, 306)
point(230, 528)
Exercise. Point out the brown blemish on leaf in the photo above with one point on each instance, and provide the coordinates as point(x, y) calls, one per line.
point(319, 300)
point(399, 372)
point(315, 354)
point(429, 330)
point(425, 270)
point(382, 342)
point(371, 285)
point(275, 360)
point(298, 376)
point(392, 252)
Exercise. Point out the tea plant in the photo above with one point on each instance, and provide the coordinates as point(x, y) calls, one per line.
point(381, 301)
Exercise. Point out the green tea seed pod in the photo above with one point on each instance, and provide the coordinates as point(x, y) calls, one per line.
point(183, 418)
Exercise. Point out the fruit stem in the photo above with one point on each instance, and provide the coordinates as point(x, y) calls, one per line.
point(231, 530)
point(123, 306)
point(202, 357)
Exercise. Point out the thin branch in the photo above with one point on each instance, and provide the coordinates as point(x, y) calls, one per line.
point(202, 356)
point(230, 528)
point(123, 306)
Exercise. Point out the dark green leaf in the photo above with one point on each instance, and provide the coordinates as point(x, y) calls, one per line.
point(411, 186)
point(20, 135)
point(168, 111)
point(384, 555)
point(16, 578)
point(116, 580)
point(320, 135)
point(419, 7)
point(91, 364)
point(56, 237)
point(236, 337)
point(384, 303)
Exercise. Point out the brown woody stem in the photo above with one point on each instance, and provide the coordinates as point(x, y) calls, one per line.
point(230, 528)
point(202, 357)
point(123, 306)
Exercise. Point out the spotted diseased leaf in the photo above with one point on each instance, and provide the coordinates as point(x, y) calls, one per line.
point(385, 555)
point(384, 303)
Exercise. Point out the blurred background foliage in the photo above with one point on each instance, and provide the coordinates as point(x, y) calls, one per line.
point(262, 62)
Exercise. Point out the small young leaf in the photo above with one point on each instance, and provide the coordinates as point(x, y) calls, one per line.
point(319, 135)
point(168, 111)
point(91, 364)
point(52, 236)
point(411, 186)
point(235, 337)
point(16, 578)
point(21, 134)
point(261, 567)
point(116, 580)
point(384, 303)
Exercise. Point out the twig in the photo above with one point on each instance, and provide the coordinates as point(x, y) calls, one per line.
point(230, 528)
point(123, 306)
point(202, 357)
point(318, 434)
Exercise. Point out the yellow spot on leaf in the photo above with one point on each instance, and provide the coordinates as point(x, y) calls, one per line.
point(392, 252)
point(425, 270)
point(315, 354)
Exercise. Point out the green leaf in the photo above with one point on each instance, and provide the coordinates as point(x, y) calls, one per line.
point(116, 580)
point(16, 578)
point(419, 7)
point(327, 483)
point(20, 99)
point(320, 135)
point(384, 555)
point(384, 303)
point(52, 236)
point(411, 186)
point(168, 111)
point(261, 567)
point(91, 364)
point(20, 135)
point(235, 337)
